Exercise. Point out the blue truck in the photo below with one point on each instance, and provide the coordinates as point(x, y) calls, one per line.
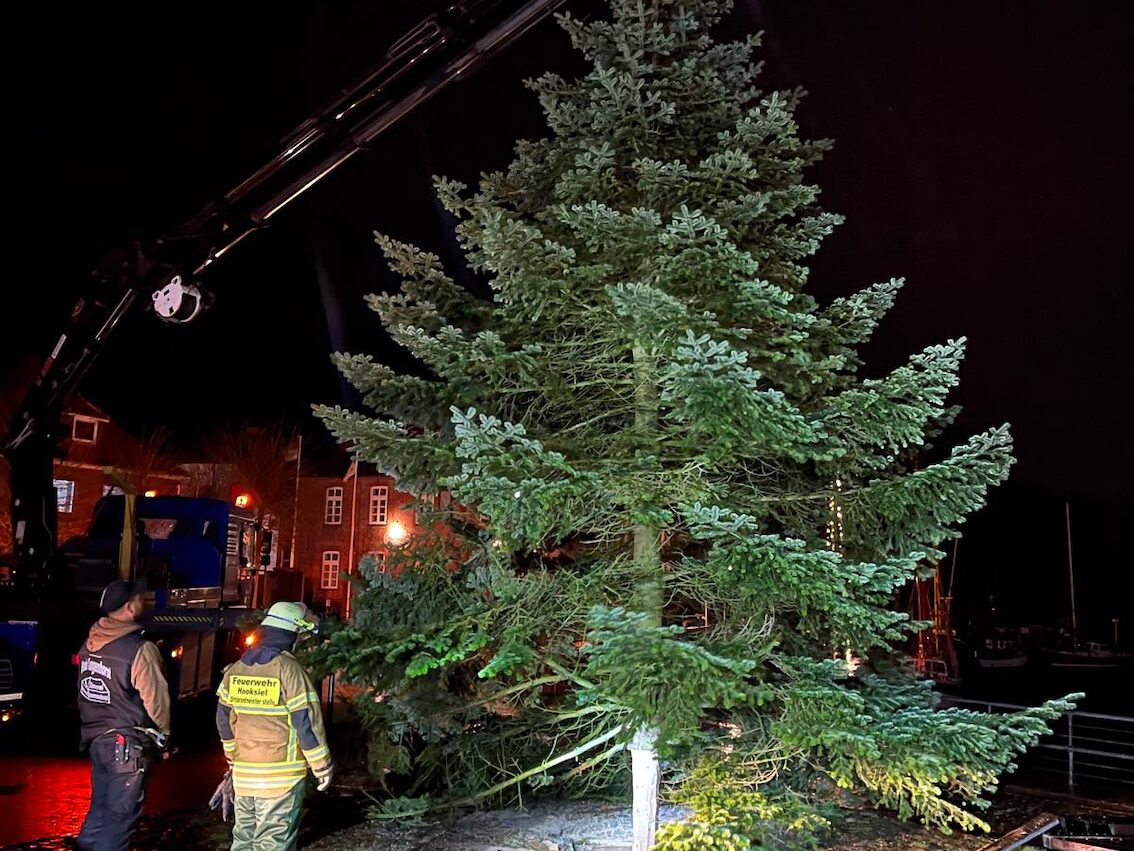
point(198, 558)
point(203, 561)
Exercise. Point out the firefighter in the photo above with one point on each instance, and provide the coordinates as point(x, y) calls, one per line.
point(124, 712)
point(271, 728)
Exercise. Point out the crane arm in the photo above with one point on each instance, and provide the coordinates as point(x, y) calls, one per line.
point(162, 274)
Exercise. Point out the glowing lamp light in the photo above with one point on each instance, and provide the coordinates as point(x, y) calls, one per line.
point(396, 534)
point(5, 717)
point(244, 500)
point(151, 493)
point(177, 652)
point(250, 639)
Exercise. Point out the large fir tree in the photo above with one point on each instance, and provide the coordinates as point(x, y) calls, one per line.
point(675, 504)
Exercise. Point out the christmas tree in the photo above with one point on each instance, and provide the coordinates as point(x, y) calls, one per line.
point(676, 513)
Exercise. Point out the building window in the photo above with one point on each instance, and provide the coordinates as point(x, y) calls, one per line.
point(112, 490)
point(64, 495)
point(379, 505)
point(330, 574)
point(333, 513)
point(84, 429)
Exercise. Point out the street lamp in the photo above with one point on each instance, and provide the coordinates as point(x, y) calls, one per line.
point(396, 534)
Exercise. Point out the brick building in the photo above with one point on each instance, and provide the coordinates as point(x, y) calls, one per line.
point(98, 456)
point(340, 520)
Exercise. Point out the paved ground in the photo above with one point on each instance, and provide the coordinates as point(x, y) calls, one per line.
point(588, 826)
point(331, 824)
point(545, 826)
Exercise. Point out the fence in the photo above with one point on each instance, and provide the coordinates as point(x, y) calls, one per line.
point(1084, 749)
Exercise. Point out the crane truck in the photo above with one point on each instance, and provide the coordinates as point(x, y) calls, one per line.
point(192, 552)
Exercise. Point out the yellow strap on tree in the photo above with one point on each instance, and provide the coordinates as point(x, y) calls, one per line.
point(126, 546)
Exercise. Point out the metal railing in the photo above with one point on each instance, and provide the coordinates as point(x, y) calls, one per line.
point(1085, 749)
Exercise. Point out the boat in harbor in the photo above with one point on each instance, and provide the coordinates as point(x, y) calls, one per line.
point(1070, 651)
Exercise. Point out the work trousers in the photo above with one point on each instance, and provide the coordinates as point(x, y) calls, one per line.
point(118, 792)
point(267, 824)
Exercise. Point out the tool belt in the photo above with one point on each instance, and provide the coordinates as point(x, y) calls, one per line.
point(134, 749)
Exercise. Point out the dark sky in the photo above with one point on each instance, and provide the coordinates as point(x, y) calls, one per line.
point(982, 151)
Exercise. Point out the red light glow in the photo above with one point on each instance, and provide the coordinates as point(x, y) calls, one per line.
point(243, 500)
point(249, 640)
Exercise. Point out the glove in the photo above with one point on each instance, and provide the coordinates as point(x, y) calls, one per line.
point(324, 776)
point(224, 798)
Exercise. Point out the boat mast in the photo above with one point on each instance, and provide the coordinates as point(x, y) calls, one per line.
point(1071, 577)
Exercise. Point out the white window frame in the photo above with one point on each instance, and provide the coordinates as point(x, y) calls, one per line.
point(329, 574)
point(93, 421)
point(333, 507)
point(379, 505)
point(64, 496)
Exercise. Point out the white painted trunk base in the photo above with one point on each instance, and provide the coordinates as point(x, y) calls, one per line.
point(646, 782)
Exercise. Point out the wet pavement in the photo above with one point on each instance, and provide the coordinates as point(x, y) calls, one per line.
point(45, 788)
point(47, 796)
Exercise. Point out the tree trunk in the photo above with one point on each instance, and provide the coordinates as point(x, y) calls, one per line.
point(646, 782)
point(649, 597)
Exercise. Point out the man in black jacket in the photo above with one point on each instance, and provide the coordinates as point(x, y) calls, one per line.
point(122, 693)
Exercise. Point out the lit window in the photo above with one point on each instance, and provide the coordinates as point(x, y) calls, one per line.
point(379, 505)
point(333, 514)
point(330, 574)
point(84, 430)
point(64, 495)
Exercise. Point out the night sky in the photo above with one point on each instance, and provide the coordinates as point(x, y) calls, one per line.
point(982, 151)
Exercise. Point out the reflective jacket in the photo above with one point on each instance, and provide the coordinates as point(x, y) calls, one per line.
point(271, 726)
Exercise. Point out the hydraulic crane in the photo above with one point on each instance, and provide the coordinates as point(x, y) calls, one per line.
point(164, 274)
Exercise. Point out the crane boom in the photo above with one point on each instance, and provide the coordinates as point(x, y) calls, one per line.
point(162, 273)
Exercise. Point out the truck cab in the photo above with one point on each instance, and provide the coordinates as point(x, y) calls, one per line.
point(198, 558)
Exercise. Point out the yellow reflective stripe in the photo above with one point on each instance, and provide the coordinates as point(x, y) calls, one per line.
point(269, 767)
point(244, 709)
point(301, 700)
point(228, 744)
point(316, 753)
point(268, 764)
point(268, 781)
point(268, 777)
point(265, 780)
point(284, 783)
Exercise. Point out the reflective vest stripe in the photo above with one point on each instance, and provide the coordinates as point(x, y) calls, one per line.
point(299, 701)
point(243, 709)
point(282, 784)
point(269, 767)
point(316, 754)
